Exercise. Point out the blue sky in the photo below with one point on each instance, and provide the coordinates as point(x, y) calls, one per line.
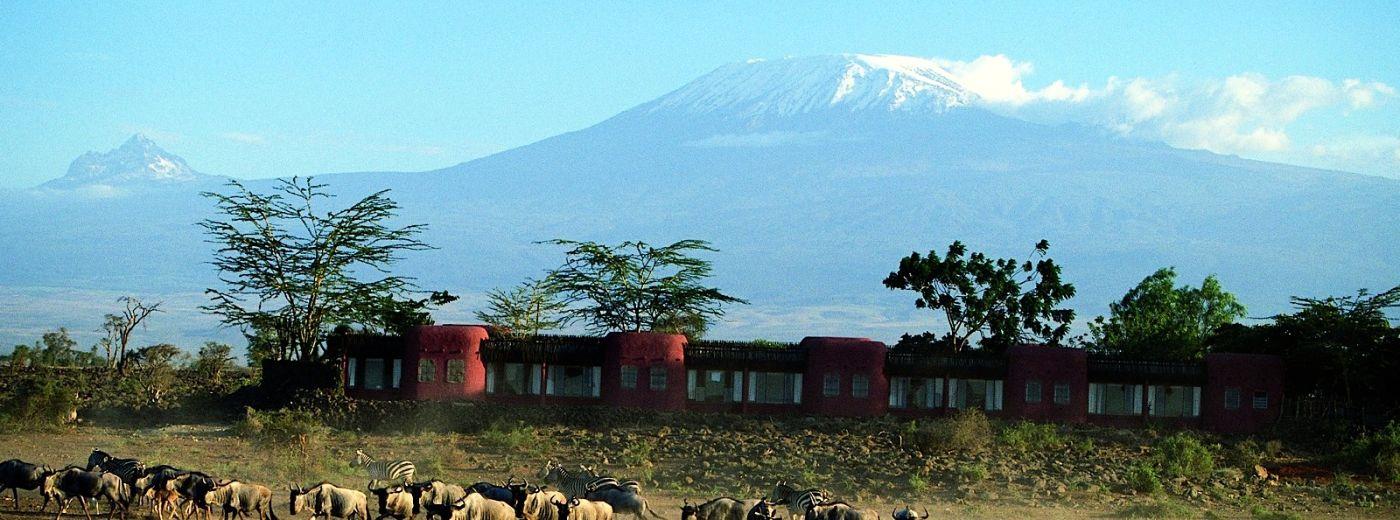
point(283, 89)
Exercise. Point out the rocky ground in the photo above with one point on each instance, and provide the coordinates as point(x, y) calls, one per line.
point(880, 464)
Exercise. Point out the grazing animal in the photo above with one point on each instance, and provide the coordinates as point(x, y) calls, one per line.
point(477, 507)
point(396, 470)
point(193, 488)
point(539, 505)
point(723, 508)
point(763, 510)
point(622, 498)
point(583, 509)
point(96, 458)
point(126, 469)
point(908, 514)
point(325, 499)
point(160, 493)
point(797, 502)
point(75, 482)
point(236, 498)
point(839, 511)
point(512, 493)
point(398, 501)
point(16, 474)
point(438, 497)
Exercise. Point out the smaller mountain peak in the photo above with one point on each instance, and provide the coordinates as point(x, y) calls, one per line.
point(138, 160)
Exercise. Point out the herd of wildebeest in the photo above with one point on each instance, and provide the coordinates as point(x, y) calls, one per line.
point(583, 494)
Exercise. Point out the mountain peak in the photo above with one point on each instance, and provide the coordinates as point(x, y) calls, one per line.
point(842, 82)
point(138, 160)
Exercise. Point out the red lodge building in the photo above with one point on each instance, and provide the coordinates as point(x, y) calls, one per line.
point(854, 377)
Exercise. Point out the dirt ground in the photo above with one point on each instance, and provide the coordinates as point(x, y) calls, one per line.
point(669, 475)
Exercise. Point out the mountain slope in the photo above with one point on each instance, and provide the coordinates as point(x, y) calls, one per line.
point(813, 176)
point(137, 161)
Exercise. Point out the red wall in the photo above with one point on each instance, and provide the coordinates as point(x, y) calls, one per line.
point(1249, 373)
point(1050, 366)
point(648, 352)
point(846, 357)
point(442, 343)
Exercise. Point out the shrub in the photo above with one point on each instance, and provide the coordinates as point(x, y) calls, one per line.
point(1183, 455)
point(1378, 453)
point(286, 428)
point(968, 431)
point(1155, 509)
point(972, 473)
point(1026, 436)
point(917, 484)
point(1142, 477)
point(1244, 455)
point(1258, 512)
point(36, 402)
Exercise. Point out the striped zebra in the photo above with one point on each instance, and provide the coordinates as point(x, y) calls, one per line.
point(395, 470)
point(798, 502)
point(571, 485)
point(624, 497)
point(127, 469)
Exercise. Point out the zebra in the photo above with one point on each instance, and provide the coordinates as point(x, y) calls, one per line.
point(623, 497)
point(129, 470)
point(798, 502)
point(571, 485)
point(395, 470)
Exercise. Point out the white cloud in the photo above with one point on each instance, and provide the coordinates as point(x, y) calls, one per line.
point(1375, 153)
point(245, 138)
point(1240, 114)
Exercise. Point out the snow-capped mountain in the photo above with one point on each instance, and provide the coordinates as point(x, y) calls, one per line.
point(137, 161)
point(760, 89)
point(813, 176)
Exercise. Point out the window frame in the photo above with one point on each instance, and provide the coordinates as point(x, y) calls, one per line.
point(1260, 395)
point(1035, 392)
point(655, 374)
point(860, 386)
point(831, 384)
point(1234, 397)
point(1068, 394)
point(627, 377)
point(431, 375)
point(456, 372)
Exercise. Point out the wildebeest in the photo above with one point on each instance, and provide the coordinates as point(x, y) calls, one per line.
point(539, 505)
point(511, 493)
point(75, 482)
point(723, 508)
point(908, 514)
point(583, 509)
point(396, 470)
point(325, 499)
point(161, 494)
point(437, 498)
point(16, 474)
point(398, 501)
point(193, 488)
point(763, 510)
point(839, 511)
point(236, 498)
point(623, 498)
point(477, 507)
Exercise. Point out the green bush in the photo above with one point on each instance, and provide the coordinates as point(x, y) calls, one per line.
point(972, 473)
point(1258, 512)
point(1142, 477)
point(38, 402)
point(281, 428)
point(1155, 509)
point(968, 431)
point(1026, 436)
point(1184, 455)
point(1245, 455)
point(1377, 453)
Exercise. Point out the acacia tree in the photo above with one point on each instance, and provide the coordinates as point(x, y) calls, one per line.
point(119, 328)
point(1158, 319)
point(634, 286)
point(525, 309)
point(1004, 301)
point(290, 269)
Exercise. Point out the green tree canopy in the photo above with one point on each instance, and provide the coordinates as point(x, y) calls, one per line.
point(526, 309)
point(1002, 300)
point(1160, 320)
point(294, 268)
point(634, 286)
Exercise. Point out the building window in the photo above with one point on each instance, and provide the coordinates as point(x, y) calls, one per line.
point(572, 381)
point(907, 392)
point(1261, 400)
point(397, 374)
point(1061, 394)
point(427, 371)
point(512, 379)
point(966, 394)
point(775, 388)
point(658, 378)
point(714, 386)
point(1115, 399)
point(860, 386)
point(1174, 401)
point(1033, 391)
point(831, 385)
point(1232, 399)
point(351, 373)
point(456, 370)
point(629, 376)
point(374, 374)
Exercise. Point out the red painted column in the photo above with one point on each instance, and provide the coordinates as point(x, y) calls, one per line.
point(1250, 375)
point(1049, 366)
point(846, 358)
point(648, 352)
point(442, 344)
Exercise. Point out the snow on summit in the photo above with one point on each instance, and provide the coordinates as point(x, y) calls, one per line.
point(138, 160)
point(792, 86)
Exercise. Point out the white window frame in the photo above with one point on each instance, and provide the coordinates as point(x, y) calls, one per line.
point(1233, 397)
point(396, 378)
point(831, 384)
point(860, 386)
point(1258, 398)
point(1068, 393)
point(628, 376)
point(1034, 392)
point(657, 373)
point(352, 372)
